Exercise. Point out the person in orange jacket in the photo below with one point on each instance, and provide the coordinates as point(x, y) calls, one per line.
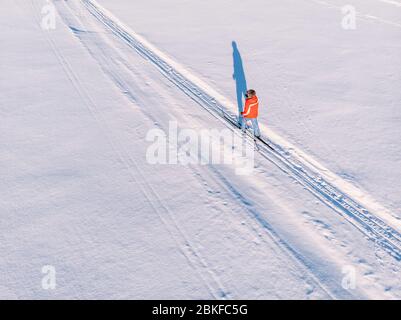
point(251, 112)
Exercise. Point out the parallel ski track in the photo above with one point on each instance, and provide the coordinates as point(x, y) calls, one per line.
point(212, 283)
point(373, 227)
point(73, 19)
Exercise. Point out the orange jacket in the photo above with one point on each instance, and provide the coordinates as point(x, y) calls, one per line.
point(251, 109)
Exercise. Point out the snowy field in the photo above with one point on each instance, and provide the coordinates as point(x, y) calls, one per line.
point(86, 215)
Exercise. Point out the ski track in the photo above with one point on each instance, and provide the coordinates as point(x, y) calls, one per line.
point(249, 212)
point(194, 258)
point(372, 226)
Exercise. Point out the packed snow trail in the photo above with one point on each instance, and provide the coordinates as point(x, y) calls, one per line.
point(80, 194)
point(67, 11)
point(375, 228)
point(125, 69)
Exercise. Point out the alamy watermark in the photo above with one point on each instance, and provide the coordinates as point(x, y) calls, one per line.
point(49, 278)
point(349, 17)
point(349, 279)
point(200, 147)
point(48, 21)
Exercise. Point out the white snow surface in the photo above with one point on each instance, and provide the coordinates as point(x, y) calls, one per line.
point(77, 191)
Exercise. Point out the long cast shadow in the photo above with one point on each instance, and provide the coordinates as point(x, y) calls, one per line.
point(240, 79)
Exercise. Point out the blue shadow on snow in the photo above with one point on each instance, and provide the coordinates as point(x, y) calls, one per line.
point(240, 79)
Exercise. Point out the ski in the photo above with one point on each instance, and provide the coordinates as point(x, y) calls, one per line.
point(231, 120)
point(255, 139)
point(265, 143)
